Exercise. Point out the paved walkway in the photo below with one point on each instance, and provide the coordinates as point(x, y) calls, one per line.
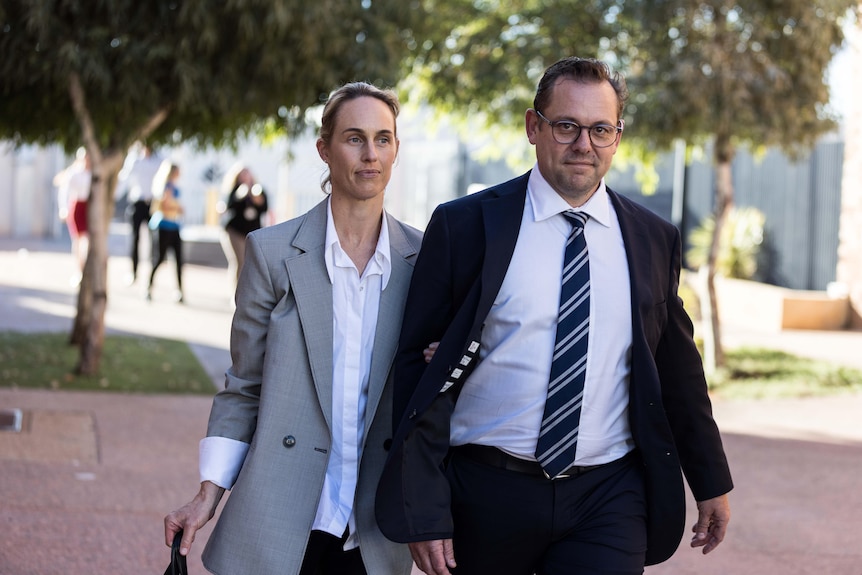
point(85, 486)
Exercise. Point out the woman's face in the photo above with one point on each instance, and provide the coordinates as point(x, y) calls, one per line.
point(362, 149)
point(244, 177)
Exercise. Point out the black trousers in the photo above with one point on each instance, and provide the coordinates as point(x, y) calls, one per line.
point(325, 555)
point(168, 239)
point(140, 216)
point(512, 523)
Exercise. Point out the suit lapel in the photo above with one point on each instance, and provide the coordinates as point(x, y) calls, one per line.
point(502, 216)
point(307, 273)
point(638, 254)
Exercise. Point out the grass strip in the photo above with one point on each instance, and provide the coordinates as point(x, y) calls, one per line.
point(138, 364)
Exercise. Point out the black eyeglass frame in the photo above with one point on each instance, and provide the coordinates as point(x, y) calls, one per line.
point(618, 129)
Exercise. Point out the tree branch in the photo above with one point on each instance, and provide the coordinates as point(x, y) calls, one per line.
point(152, 123)
point(79, 106)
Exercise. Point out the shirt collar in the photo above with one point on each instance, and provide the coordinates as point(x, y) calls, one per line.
point(380, 263)
point(547, 202)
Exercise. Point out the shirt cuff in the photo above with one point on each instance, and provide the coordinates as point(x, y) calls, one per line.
point(221, 459)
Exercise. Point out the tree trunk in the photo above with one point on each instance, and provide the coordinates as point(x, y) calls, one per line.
point(712, 346)
point(93, 298)
point(89, 329)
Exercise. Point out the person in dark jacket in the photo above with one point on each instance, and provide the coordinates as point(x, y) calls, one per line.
point(548, 433)
point(244, 211)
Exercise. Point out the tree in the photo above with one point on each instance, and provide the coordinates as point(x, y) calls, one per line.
point(480, 60)
point(718, 72)
point(105, 74)
point(728, 74)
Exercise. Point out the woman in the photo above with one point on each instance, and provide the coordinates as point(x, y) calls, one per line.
point(301, 429)
point(246, 205)
point(167, 212)
point(73, 196)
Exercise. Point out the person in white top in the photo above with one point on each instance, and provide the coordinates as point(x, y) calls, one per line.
point(73, 195)
point(300, 432)
point(138, 180)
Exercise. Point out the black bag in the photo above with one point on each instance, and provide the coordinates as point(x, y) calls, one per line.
point(178, 562)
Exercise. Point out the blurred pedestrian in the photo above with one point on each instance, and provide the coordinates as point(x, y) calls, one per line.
point(244, 210)
point(139, 195)
point(165, 221)
point(73, 196)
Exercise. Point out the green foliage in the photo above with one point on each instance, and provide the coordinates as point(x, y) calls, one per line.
point(750, 71)
point(739, 246)
point(219, 67)
point(479, 62)
point(739, 72)
point(754, 373)
point(131, 364)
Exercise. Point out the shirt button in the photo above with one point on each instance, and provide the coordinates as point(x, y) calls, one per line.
point(288, 441)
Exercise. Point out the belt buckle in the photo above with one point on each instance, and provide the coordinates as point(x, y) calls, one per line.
point(560, 476)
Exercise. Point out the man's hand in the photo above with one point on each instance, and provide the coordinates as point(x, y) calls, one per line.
point(713, 515)
point(433, 557)
point(192, 516)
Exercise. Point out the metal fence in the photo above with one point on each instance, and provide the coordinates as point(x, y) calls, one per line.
point(801, 201)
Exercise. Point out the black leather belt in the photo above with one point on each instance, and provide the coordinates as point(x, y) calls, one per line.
point(500, 459)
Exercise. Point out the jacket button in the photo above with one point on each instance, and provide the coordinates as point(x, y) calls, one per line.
point(288, 441)
point(387, 445)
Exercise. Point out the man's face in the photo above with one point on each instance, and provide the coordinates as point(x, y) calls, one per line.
point(574, 170)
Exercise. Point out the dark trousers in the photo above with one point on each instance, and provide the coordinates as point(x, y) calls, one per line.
point(512, 523)
point(325, 555)
point(168, 239)
point(140, 216)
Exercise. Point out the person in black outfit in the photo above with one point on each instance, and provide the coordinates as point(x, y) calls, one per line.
point(246, 205)
point(165, 221)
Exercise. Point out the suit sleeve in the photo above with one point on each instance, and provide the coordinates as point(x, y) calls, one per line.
point(427, 313)
point(235, 408)
point(685, 397)
point(413, 497)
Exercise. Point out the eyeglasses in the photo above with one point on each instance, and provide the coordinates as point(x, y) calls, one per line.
point(566, 132)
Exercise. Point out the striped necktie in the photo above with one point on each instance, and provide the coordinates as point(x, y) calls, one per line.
point(558, 436)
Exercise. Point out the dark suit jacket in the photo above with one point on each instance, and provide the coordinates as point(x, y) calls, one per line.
point(465, 254)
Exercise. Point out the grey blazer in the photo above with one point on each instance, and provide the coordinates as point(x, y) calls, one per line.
point(278, 398)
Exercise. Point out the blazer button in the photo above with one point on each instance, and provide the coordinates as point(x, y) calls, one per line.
point(387, 445)
point(288, 441)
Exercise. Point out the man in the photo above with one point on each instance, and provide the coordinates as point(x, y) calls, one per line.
point(476, 477)
point(140, 195)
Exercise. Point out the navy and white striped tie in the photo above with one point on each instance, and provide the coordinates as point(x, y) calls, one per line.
point(558, 436)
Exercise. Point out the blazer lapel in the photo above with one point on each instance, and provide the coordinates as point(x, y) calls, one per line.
point(389, 316)
point(307, 273)
point(502, 216)
point(638, 253)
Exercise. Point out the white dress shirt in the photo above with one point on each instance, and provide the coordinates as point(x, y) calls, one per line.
point(355, 305)
point(502, 402)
